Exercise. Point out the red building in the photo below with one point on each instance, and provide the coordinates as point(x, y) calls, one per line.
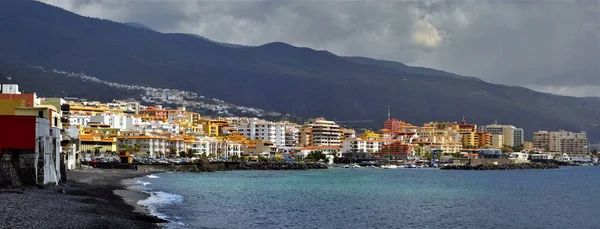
point(396, 148)
point(393, 125)
point(467, 127)
point(156, 113)
point(19, 132)
point(28, 98)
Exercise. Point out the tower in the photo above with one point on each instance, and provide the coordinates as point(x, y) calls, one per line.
point(389, 113)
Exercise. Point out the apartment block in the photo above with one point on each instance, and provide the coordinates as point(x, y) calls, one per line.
point(507, 132)
point(325, 133)
point(561, 141)
point(256, 129)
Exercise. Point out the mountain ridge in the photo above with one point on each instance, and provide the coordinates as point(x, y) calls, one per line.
point(276, 76)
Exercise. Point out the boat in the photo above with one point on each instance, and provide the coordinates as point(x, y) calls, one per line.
point(390, 166)
point(356, 166)
point(410, 166)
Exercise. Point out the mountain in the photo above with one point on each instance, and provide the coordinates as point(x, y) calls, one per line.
point(274, 76)
point(139, 26)
point(216, 42)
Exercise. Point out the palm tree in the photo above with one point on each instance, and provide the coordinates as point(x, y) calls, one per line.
point(136, 148)
point(219, 152)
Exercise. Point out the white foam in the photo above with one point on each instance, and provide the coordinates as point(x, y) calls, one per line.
point(160, 198)
point(144, 183)
point(153, 176)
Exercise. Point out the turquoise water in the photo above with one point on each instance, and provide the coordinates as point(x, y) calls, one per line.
point(378, 198)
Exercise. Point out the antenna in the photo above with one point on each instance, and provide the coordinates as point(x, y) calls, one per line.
point(389, 113)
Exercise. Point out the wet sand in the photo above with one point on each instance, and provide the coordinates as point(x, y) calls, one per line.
point(99, 198)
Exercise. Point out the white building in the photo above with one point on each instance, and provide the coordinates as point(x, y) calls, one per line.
point(201, 145)
point(48, 144)
point(364, 145)
point(256, 129)
point(10, 89)
point(123, 122)
point(292, 136)
point(507, 132)
point(152, 145)
point(326, 133)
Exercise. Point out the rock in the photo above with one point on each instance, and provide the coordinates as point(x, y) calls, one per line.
point(502, 166)
point(279, 166)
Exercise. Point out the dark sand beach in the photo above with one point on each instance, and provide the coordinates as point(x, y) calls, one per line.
point(98, 198)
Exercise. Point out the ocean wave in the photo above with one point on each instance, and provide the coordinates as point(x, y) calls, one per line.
point(153, 176)
point(143, 183)
point(160, 198)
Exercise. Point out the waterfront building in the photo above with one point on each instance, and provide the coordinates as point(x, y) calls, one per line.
point(259, 148)
point(292, 137)
point(468, 134)
point(33, 143)
point(364, 145)
point(497, 141)
point(519, 136)
point(305, 137)
point(274, 132)
point(396, 150)
point(325, 149)
point(483, 139)
point(150, 145)
point(561, 141)
point(97, 139)
point(325, 133)
point(511, 136)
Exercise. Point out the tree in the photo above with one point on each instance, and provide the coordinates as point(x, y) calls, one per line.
point(518, 148)
point(183, 154)
point(234, 157)
point(507, 149)
point(135, 148)
point(261, 158)
point(219, 152)
point(316, 156)
point(172, 152)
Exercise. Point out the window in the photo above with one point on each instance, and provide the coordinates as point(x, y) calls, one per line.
point(40, 114)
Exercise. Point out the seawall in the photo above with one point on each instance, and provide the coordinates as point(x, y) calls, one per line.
point(212, 166)
point(520, 166)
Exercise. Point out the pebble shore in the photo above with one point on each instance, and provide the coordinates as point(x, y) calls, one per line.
point(87, 200)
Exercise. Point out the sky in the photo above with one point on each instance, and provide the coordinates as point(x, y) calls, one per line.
point(546, 45)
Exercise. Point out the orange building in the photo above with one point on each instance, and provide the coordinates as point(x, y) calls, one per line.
point(483, 139)
point(155, 112)
point(393, 125)
point(30, 99)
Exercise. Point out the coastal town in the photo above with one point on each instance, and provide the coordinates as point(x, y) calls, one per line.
point(72, 131)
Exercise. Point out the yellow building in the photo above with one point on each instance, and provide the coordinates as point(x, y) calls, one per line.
point(7, 107)
point(236, 137)
point(210, 128)
point(497, 141)
point(98, 138)
point(370, 135)
point(78, 108)
point(468, 134)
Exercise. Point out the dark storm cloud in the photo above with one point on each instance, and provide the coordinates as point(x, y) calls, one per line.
point(545, 45)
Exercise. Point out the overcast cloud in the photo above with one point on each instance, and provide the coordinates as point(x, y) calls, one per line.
point(551, 46)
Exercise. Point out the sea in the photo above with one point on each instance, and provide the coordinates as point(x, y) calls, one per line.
point(568, 197)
